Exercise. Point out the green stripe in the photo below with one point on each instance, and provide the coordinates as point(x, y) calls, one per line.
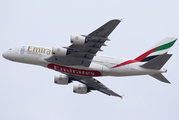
point(165, 46)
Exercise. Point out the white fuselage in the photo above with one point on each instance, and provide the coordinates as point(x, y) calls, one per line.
point(100, 65)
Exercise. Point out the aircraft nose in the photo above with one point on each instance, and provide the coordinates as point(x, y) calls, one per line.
point(6, 55)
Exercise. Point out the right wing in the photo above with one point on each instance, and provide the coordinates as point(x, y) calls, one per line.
point(82, 55)
point(94, 84)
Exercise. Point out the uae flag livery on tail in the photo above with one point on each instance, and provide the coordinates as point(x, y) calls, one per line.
point(159, 49)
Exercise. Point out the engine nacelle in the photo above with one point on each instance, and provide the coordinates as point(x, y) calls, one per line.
point(78, 39)
point(61, 79)
point(59, 51)
point(80, 89)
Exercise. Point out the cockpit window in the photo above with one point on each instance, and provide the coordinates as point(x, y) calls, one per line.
point(10, 49)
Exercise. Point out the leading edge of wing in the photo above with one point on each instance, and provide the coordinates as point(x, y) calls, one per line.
point(106, 29)
point(95, 85)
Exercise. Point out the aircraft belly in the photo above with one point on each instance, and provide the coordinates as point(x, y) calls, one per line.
point(103, 69)
point(73, 70)
point(94, 70)
point(130, 71)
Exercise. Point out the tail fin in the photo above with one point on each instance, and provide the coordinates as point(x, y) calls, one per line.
point(161, 48)
point(157, 56)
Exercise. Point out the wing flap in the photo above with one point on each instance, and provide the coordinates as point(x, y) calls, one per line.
point(96, 85)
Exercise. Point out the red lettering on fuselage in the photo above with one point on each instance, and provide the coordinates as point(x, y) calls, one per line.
point(75, 71)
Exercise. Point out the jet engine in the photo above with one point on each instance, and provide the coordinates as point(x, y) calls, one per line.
point(62, 79)
point(59, 51)
point(78, 39)
point(80, 89)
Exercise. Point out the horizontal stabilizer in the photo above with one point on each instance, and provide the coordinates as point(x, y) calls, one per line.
point(157, 63)
point(160, 77)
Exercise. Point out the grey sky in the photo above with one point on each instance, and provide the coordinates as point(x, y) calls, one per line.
point(28, 92)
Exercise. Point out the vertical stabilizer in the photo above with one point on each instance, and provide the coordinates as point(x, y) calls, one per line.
point(159, 49)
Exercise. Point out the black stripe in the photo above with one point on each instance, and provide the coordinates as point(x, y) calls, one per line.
point(150, 58)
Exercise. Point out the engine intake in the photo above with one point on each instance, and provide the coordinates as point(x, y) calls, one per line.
point(80, 89)
point(78, 39)
point(59, 51)
point(61, 79)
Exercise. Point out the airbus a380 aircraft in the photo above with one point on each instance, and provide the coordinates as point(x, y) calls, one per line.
point(79, 62)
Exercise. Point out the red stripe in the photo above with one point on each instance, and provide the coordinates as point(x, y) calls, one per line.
point(138, 59)
point(125, 63)
point(141, 57)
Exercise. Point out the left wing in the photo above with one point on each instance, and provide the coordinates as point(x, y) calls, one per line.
point(83, 54)
point(94, 84)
